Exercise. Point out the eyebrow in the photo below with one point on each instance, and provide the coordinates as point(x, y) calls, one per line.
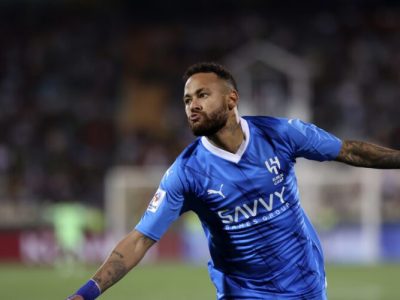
point(202, 89)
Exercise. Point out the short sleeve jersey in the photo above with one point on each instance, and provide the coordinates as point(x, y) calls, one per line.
point(261, 243)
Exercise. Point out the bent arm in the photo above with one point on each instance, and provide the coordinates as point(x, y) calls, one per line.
point(126, 255)
point(362, 154)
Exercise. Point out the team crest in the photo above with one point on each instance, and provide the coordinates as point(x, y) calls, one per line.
point(156, 200)
point(274, 167)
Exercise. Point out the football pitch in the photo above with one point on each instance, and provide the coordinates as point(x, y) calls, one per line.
point(178, 281)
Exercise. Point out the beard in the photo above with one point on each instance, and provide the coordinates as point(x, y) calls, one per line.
point(210, 124)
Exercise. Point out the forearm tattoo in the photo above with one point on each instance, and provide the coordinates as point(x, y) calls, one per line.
point(116, 265)
point(116, 253)
point(368, 155)
point(111, 272)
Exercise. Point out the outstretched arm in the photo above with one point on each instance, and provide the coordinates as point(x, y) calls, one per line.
point(127, 254)
point(362, 154)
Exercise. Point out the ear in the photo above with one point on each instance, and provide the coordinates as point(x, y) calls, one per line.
point(233, 99)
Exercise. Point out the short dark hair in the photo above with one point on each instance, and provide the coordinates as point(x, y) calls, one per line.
point(210, 67)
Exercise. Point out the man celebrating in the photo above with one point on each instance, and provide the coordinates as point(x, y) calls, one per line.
point(238, 177)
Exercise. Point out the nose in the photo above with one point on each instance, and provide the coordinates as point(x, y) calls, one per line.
point(195, 105)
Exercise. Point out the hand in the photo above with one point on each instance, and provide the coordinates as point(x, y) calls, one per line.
point(75, 297)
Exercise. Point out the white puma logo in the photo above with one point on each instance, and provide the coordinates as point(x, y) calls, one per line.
point(210, 192)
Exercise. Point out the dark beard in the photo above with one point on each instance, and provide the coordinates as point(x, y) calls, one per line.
point(211, 124)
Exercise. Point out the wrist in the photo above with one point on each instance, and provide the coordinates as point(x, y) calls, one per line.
point(90, 290)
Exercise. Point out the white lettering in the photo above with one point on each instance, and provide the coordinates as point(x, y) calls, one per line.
point(246, 210)
point(226, 219)
point(252, 212)
point(280, 195)
point(239, 209)
point(268, 206)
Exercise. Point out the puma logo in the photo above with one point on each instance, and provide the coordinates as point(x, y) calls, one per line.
point(219, 192)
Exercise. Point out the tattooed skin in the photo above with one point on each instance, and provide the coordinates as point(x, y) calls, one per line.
point(118, 264)
point(368, 155)
point(117, 254)
point(110, 274)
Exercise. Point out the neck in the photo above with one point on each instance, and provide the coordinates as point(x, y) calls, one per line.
point(230, 137)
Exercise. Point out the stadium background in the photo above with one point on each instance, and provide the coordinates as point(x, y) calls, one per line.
point(90, 87)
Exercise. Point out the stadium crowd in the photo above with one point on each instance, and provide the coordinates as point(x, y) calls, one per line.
point(83, 89)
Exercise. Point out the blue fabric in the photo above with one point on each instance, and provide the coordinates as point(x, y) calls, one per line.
point(262, 245)
point(89, 291)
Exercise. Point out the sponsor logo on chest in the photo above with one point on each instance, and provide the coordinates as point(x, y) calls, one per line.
point(247, 210)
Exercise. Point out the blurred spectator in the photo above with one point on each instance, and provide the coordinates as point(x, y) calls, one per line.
point(83, 88)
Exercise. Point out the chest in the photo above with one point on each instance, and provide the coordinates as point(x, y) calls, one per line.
point(257, 180)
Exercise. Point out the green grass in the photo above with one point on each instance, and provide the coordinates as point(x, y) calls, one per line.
point(184, 282)
point(379, 282)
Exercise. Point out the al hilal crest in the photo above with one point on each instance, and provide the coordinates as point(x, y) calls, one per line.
point(156, 200)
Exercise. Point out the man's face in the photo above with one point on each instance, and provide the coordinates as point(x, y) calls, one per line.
point(206, 105)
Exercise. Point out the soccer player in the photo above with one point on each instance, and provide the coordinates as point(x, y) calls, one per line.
point(238, 177)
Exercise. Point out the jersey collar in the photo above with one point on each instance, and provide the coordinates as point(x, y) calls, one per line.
point(233, 157)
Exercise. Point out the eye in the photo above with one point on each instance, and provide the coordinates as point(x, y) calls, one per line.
point(203, 95)
point(186, 101)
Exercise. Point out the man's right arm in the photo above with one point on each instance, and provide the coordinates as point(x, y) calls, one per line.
point(126, 255)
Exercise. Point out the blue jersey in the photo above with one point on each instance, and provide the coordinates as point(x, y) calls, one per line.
point(261, 243)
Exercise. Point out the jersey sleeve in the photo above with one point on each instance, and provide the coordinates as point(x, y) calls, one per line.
point(312, 142)
point(165, 206)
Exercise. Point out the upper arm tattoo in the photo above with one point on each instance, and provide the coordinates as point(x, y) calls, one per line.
point(368, 155)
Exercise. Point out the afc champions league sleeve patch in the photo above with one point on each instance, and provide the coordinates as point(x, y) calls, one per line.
point(156, 200)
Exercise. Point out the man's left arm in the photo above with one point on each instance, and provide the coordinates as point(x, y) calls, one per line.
point(367, 155)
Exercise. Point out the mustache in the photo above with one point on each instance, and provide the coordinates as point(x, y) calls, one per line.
point(202, 113)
